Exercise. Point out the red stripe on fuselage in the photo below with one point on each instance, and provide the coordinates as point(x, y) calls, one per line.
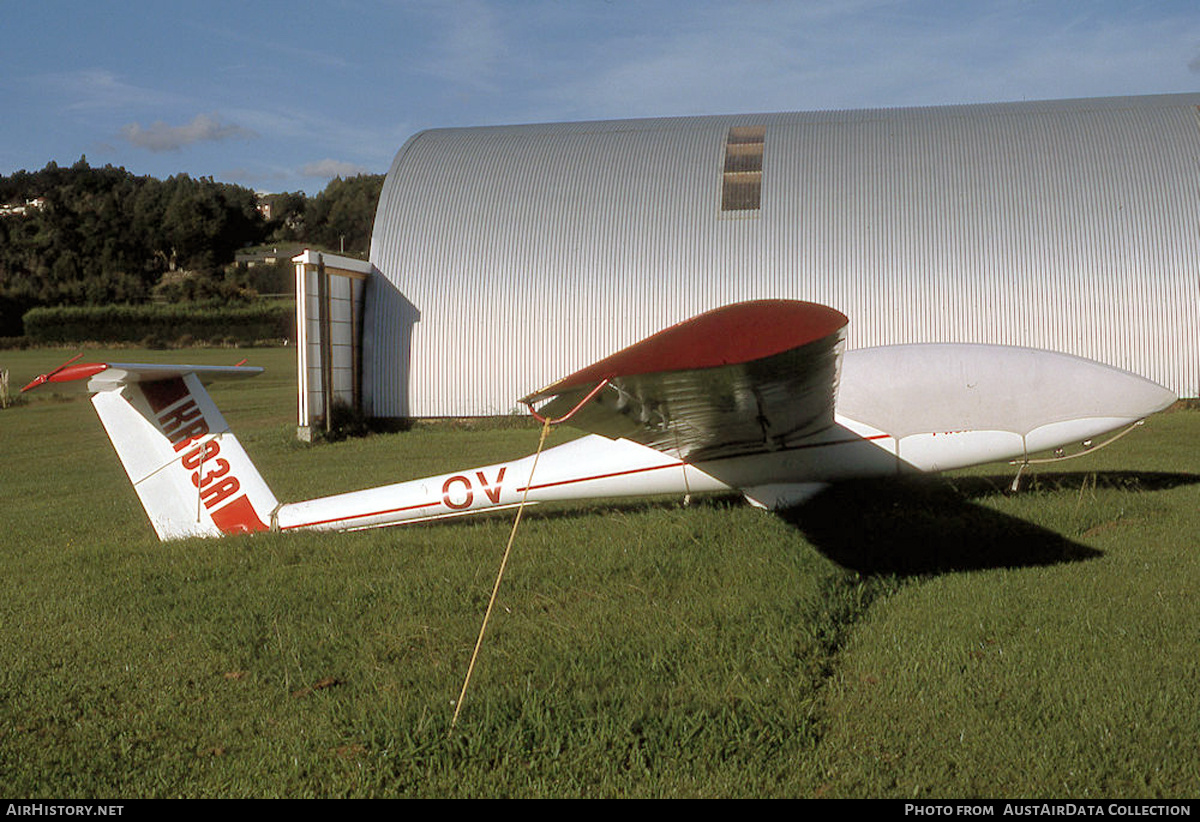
point(349, 517)
point(680, 464)
point(601, 476)
point(522, 490)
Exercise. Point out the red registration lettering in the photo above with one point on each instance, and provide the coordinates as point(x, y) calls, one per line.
point(459, 499)
point(184, 425)
point(217, 492)
point(493, 490)
point(193, 459)
point(221, 470)
point(467, 499)
point(173, 419)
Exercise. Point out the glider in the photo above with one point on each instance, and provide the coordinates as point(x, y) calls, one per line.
point(756, 397)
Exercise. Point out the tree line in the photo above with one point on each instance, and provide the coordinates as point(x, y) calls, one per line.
point(82, 236)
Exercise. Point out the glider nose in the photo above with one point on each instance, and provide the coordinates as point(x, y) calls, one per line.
point(1148, 397)
point(951, 405)
point(1101, 400)
point(908, 389)
point(1092, 389)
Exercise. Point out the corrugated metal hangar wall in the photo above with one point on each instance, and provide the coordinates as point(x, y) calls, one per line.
point(507, 257)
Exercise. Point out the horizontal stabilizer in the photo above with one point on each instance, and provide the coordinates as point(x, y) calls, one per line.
point(104, 376)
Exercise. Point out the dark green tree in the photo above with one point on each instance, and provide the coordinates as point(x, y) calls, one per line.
point(342, 216)
point(103, 235)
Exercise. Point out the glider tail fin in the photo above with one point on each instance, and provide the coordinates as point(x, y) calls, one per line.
point(190, 472)
point(192, 475)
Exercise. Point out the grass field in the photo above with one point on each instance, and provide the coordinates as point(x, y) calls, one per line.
point(936, 638)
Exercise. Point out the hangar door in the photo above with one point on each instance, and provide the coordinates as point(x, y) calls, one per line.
point(329, 309)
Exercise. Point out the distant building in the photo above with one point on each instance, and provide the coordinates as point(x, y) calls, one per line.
point(506, 257)
point(264, 205)
point(258, 257)
point(15, 209)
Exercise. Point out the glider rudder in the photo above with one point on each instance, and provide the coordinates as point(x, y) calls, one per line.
point(189, 470)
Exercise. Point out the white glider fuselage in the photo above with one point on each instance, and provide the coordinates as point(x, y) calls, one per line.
point(595, 467)
point(931, 408)
point(757, 398)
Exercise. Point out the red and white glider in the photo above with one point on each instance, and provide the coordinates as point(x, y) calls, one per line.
point(756, 397)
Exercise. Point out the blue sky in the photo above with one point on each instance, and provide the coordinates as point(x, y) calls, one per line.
point(283, 96)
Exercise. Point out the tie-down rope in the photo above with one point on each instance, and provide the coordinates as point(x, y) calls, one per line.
point(546, 423)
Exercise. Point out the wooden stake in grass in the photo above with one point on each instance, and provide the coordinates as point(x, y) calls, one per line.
point(499, 576)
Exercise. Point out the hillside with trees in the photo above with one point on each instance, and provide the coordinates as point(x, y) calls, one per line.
point(83, 236)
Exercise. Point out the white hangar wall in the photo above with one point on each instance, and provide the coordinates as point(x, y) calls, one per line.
point(508, 257)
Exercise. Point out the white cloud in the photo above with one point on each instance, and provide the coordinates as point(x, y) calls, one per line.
point(162, 137)
point(94, 89)
point(333, 168)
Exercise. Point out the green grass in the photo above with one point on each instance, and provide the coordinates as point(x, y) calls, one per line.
point(937, 638)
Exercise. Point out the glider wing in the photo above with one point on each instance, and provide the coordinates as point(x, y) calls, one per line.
point(744, 379)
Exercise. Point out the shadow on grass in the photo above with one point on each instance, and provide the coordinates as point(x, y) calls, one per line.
point(929, 525)
point(984, 486)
